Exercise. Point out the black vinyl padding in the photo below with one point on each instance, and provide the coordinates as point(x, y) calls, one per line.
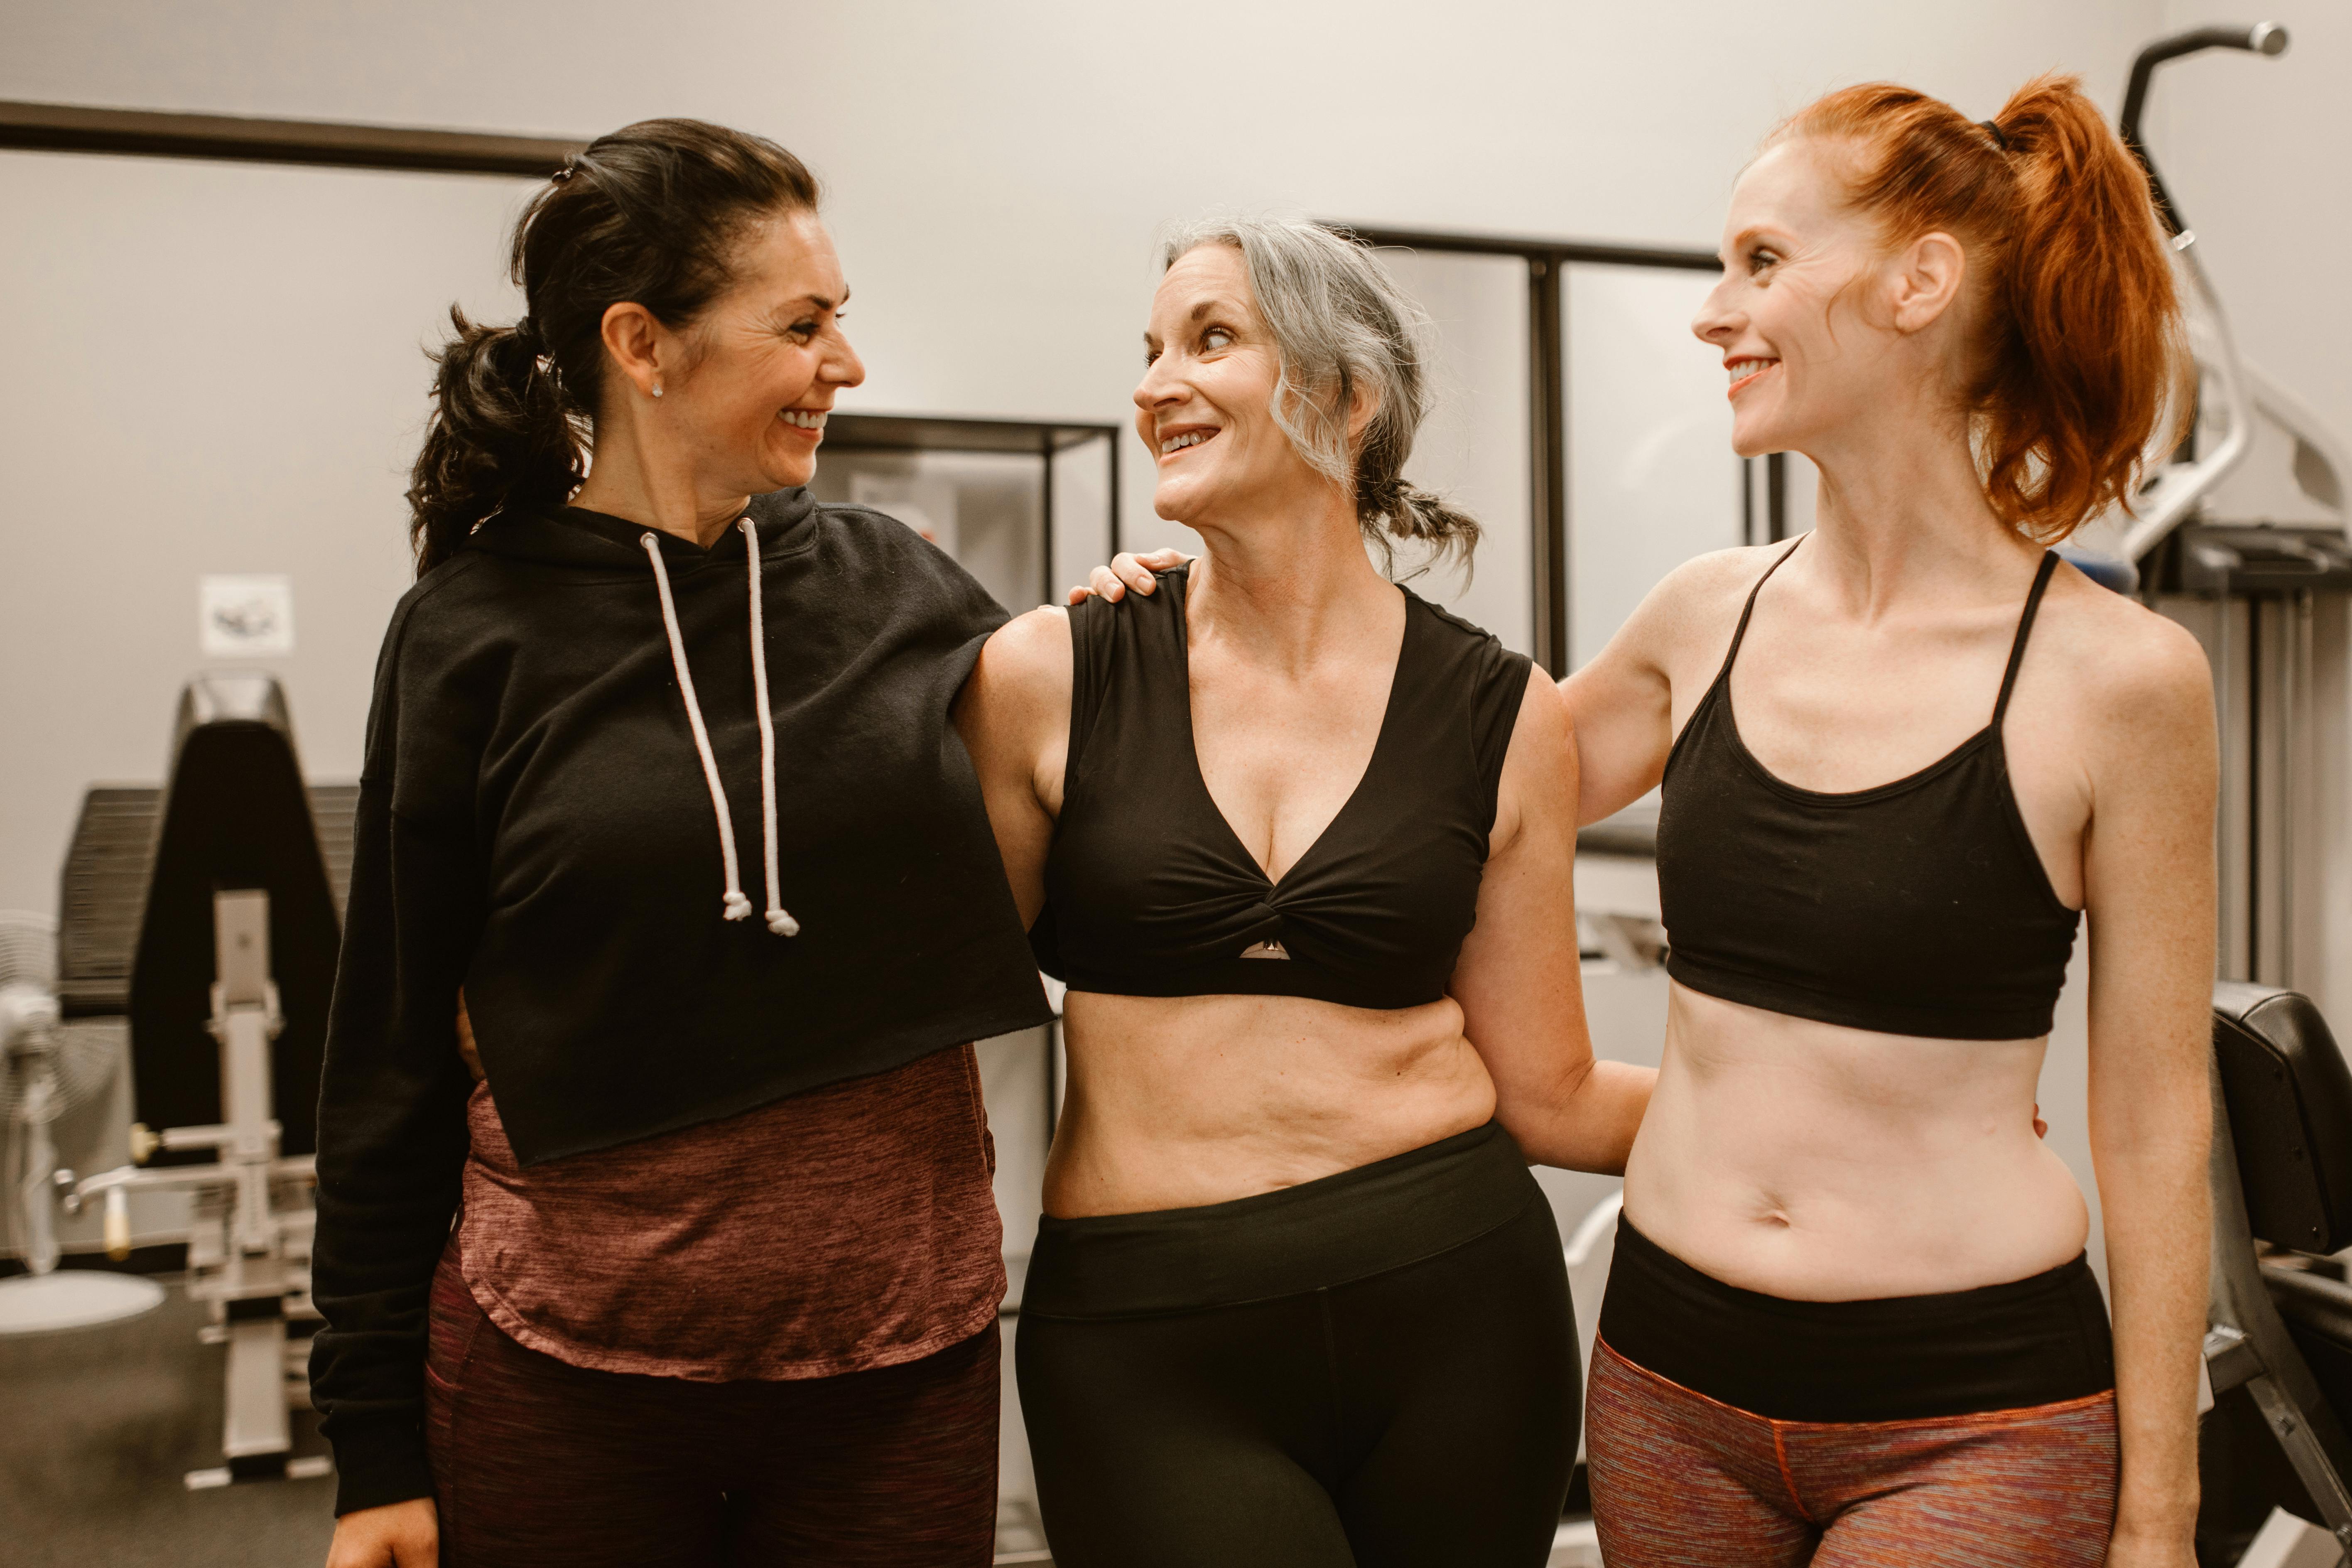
point(235, 813)
point(2289, 1104)
point(2318, 1314)
point(103, 892)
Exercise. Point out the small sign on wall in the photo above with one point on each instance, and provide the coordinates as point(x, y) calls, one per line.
point(246, 617)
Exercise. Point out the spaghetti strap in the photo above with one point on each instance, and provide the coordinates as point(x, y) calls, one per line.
point(2024, 629)
point(1739, 633)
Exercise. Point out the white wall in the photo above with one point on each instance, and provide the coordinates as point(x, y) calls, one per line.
point(215, 370)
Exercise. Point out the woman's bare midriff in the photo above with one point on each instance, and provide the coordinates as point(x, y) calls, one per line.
point(1821, 1163)
point(1177, 1101)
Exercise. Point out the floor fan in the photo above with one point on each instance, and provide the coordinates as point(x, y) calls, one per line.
point(49, 1066)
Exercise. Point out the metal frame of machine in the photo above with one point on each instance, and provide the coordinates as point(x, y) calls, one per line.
point(230, 870)
point(2268, 595)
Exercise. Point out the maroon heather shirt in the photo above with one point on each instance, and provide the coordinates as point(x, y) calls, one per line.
point(843, 1229)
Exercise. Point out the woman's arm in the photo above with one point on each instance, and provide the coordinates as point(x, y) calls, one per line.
point(1014, 717)
point(2148, 882)
point(1622, 704)
point(1518, 980)
point(392, 1102)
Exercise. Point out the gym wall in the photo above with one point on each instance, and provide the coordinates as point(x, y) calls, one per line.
point(220, 365)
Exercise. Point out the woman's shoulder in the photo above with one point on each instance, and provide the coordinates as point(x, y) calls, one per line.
point(1025, 671)
point(2122, 666)
point(446, 608)
point(1704, 584)
point(1694, 604)
point(873, 533)
point(1481, 658)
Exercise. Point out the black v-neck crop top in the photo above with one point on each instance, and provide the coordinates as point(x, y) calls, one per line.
point(1918, 908)
point(1150, 893)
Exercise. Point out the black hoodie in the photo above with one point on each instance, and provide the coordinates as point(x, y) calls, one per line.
point(534, 825)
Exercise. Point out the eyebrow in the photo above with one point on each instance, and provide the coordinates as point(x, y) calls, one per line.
point(821, 303)
point(1201, 312)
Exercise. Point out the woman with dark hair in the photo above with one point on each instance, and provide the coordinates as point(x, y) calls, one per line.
point(1300, 841)
point(722, 1280)
point(1850, 1320)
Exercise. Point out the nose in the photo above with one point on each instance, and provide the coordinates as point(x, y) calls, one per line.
point(1717, 322)
point(842, 367)
point(1159, 387)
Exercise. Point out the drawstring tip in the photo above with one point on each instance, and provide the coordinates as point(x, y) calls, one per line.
point(737, 907)
point(782, 924)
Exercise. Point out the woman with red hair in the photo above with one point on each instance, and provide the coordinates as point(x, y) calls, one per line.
point(1850, 1320)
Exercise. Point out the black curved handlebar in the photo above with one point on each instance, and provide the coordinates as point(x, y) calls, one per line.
point(2262, 38)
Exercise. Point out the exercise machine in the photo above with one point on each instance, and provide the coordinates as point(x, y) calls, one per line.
point(2279, 1345)
point(2242, 537)
point(229, 979)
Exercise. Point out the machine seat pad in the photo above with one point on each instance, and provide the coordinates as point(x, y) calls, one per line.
point(2289, 1104)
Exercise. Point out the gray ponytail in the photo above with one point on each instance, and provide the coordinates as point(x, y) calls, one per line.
point(1339, 323)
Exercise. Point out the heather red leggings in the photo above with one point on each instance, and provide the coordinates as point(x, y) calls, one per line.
point(536, 1462)
point(1682, 1481)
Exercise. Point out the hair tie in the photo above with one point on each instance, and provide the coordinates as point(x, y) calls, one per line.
point(1998, 139)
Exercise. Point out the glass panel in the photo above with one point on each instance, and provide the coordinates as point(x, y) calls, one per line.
point(1473, 449)
point(1652, 481)
point(1082, 534)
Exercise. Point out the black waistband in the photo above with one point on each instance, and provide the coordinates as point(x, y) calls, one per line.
point(1319, 1234)
point(2037, 1341)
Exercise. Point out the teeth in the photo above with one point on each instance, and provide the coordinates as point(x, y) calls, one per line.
point(804, 418)
point(1741, 367)
point(1190, 439)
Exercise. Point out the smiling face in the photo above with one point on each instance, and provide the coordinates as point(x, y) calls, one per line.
point(1797, 315)
point(765, 361)
point(1204, 405)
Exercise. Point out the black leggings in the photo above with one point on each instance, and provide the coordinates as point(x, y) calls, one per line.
point(1374, 1369)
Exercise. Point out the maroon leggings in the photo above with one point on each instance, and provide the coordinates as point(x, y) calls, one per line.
point(537, 1461)
point(1680, 1481)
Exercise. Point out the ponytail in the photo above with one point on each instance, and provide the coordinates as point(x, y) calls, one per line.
point(499, 434)
point(2092, 353)
point(648, 215)
point(2082, 362)
point(1389, 509)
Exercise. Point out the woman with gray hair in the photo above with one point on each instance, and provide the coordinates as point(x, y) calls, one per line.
point(1300, 843)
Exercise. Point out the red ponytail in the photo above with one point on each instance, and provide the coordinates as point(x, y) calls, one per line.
point(2083, 354)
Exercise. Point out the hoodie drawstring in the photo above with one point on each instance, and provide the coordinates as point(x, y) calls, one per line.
point(780, 923)
point(732, 903)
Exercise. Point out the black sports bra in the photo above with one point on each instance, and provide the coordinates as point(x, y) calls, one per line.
point(1150, 893)
point(1917, 907)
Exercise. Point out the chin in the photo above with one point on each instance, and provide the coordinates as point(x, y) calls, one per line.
point(785, 473)
point(1171, 503)
point(1757, 438)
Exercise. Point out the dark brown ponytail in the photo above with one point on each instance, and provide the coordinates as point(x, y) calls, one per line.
point(649, 214)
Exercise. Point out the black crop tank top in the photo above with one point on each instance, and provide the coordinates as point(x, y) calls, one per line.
point(1917, 907)
point(1150, 893)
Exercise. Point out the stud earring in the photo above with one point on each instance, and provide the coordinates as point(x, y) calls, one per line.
point(657, 389)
